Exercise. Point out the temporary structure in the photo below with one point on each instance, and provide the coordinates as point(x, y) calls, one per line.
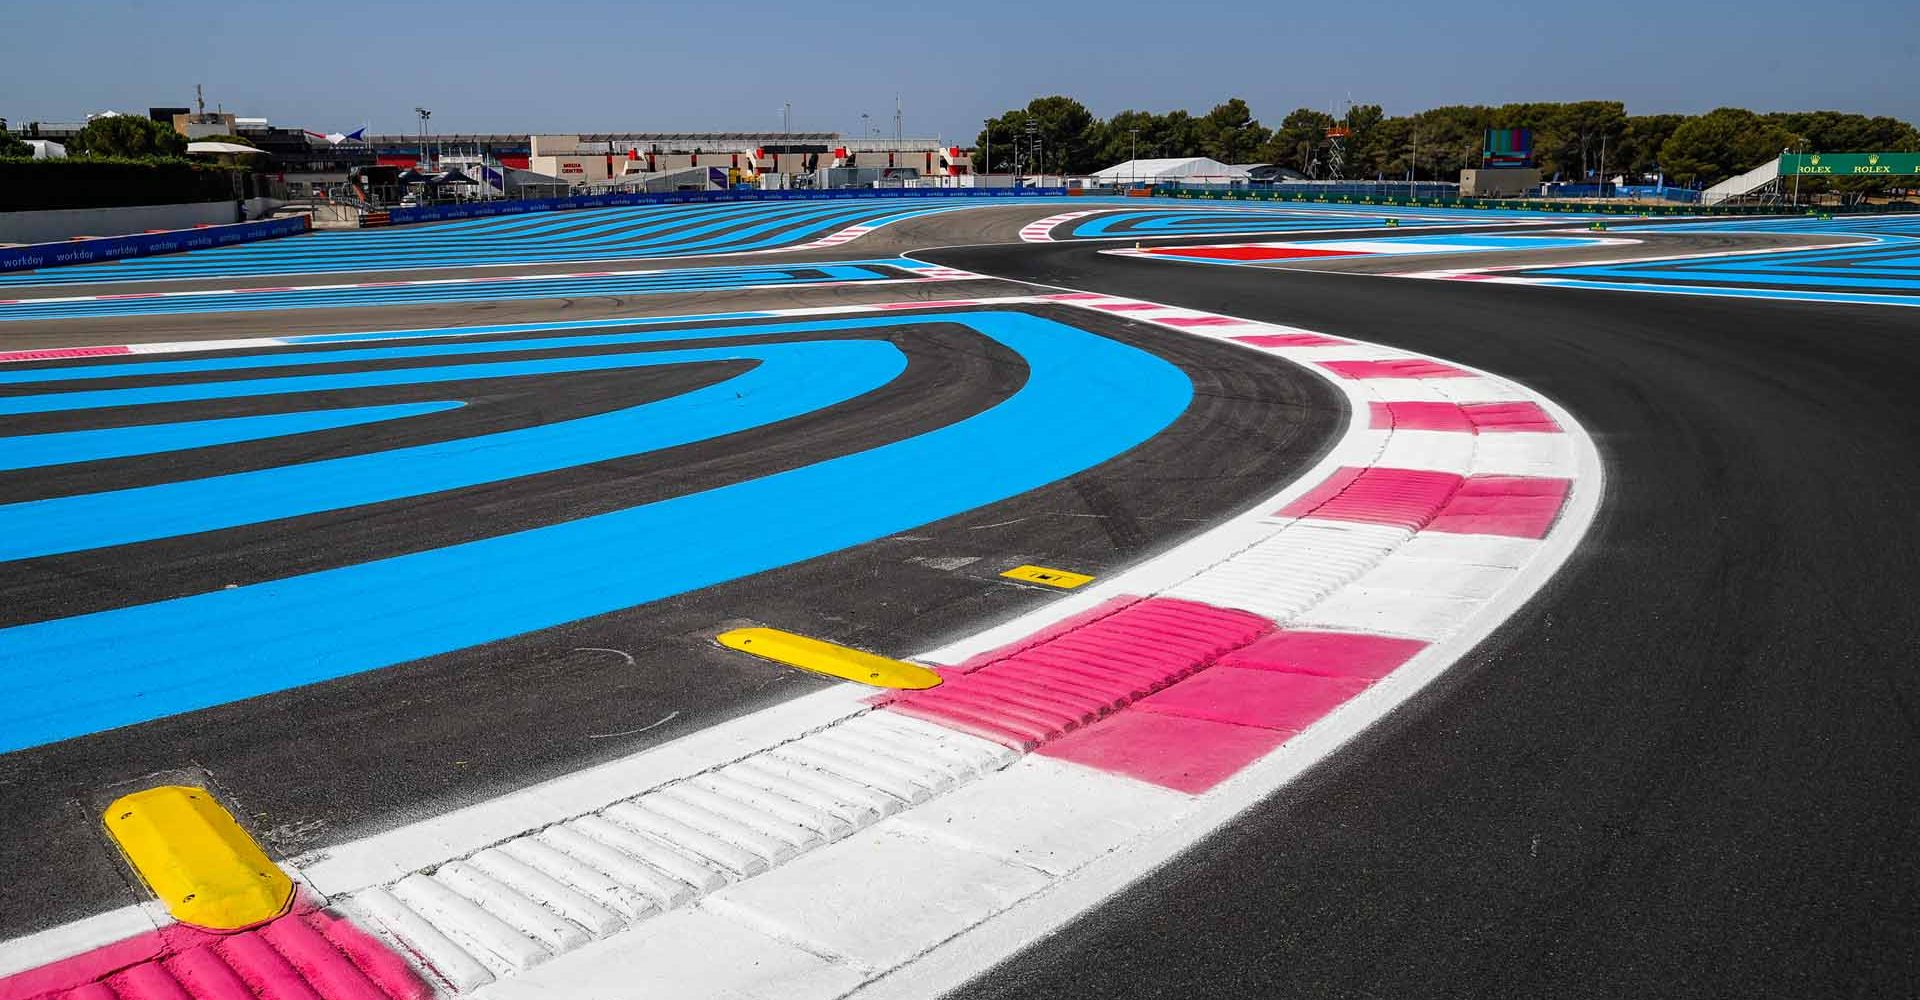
point(1181, 170)
point(221, 149)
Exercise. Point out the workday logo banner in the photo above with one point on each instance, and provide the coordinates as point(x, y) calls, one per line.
point(95, 251)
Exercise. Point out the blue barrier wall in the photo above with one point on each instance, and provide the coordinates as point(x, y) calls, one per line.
point(144, 244)
point(482, 209)
point(1680, 194)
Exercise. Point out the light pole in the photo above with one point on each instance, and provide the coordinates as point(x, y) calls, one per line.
point(786, 117)
point(1133, 159)
point(424, 115)
point(1414, 169)
point(1033, 146)
point(1603, 164)
point(987, 126)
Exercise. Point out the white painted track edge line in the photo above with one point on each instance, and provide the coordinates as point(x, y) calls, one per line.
point(45, 947)
point(1709, 255)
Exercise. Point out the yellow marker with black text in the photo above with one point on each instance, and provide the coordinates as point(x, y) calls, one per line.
point(1050, 577)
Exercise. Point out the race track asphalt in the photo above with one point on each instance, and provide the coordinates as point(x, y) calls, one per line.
point(328, 762)
point(1689, 768)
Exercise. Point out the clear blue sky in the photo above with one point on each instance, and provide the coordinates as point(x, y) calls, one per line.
point(598, 65)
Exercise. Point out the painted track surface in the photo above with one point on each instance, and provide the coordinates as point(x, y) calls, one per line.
point(1847, 260)
point(1701, 792)
point(356, 747)
point(1685, 769)
point(1885, 264)
point(592, 234)
point(467, 287)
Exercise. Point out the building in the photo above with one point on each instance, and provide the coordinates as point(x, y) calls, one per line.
point(743, 157)
point(305, 161)
point(1268, 173)
point(1499, 182)
point(1178, 170)
point(311, 163)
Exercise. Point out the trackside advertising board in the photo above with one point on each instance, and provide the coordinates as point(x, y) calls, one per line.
point(1850, 164)
point(93, 251)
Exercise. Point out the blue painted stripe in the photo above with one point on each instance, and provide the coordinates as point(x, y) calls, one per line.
point(1854, 298)
point(788, 380)
point(294, 359)
point(560, 286)
point(475, 331)
point(73, 676)
point(33, 451)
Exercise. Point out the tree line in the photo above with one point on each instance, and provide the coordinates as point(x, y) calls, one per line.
point(1572, 140)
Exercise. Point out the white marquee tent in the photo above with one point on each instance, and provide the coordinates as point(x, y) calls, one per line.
point(1184, 170)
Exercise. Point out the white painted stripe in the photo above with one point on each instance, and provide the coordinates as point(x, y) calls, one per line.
point(67, 940)
point(801, 283)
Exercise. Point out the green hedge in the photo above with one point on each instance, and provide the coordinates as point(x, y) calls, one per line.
point(89, 182)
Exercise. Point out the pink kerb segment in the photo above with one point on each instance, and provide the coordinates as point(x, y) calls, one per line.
point(1184, 754)
point(1197, 321)
point(1407, 498)
point(1328, 654)
point(1490, 418)
point(1072, 678)
point(1267, 699)
point(307, 953)
point(1418, 499)
point(1419, 417)
point(60, 353)
point(1301, 339)
point(1516, 506)
point(1469, 418)
point(1396, 368)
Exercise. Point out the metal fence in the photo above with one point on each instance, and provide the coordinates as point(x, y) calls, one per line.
point(482, 209)
point(1591, 208)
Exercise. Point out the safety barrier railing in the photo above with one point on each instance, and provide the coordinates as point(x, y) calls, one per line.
point(1584, 207)
point(483, 209)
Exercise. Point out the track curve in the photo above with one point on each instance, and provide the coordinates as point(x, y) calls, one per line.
point(1685, 769)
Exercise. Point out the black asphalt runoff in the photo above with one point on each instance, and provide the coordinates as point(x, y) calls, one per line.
point(1689, 768)
point(327, 763)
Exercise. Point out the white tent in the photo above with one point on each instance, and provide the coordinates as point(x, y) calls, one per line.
point(219, 148)
point(1185, 170)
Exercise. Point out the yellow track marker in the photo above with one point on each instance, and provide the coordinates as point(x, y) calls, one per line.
point(197, 859)
point(828, 658)
point(1051, 577)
